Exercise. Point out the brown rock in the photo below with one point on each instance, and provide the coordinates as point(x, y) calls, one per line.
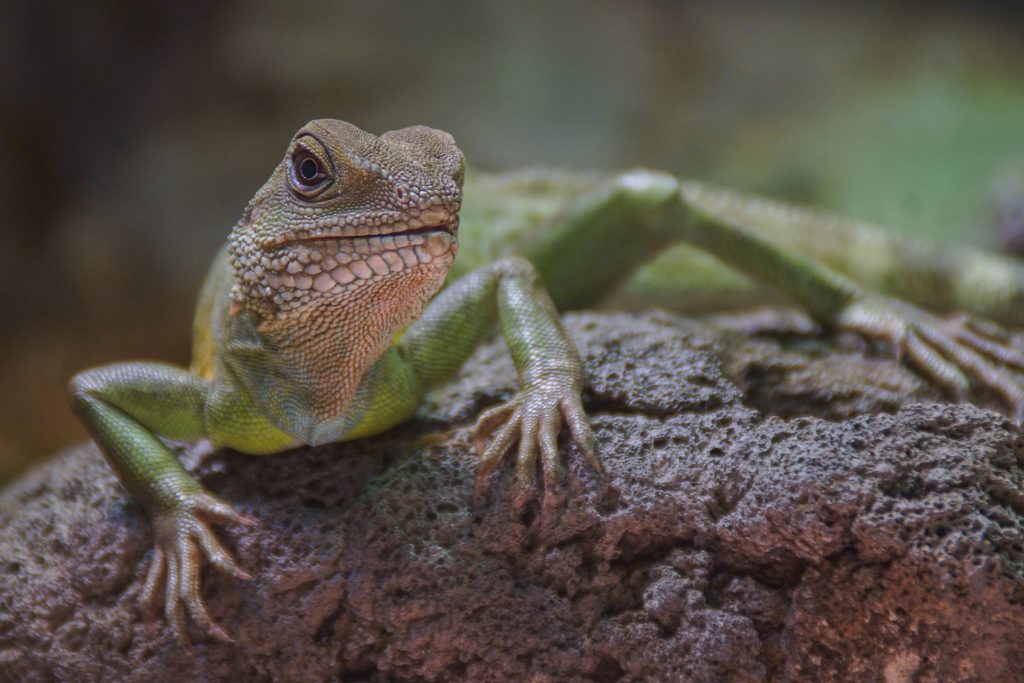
point(724, 543)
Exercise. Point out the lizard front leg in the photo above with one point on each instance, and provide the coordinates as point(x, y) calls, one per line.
point(125, 406)
point(510, 292)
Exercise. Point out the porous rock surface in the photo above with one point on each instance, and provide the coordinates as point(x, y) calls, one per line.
point(768, 512)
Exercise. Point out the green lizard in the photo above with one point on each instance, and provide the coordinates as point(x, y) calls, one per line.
point(316, 322)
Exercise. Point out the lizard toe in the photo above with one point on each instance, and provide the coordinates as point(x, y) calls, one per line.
point(221, 512)
point(173, 609)
point(188, 592)
point(218, 555)
point(526, 462)
point(494, 452)
point(151, 587)
point(582, 432)
point(490, 420)
point(937, 368)
point(551, 464)
point(976, 365)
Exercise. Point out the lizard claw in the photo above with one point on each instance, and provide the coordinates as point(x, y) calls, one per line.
point(182, 540)
point(533, 420)
point(954, 353)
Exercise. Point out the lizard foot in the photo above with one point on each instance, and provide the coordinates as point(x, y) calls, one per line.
point(533, 419)
point(955, 353)
point(182, 539)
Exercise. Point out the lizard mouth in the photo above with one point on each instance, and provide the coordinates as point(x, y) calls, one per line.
point(431, 221)
point(451, 227)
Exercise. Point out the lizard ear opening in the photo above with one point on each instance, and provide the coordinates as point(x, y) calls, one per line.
point(310, 168)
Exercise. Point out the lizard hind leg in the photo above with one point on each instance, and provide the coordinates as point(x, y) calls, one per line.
point(606, 233)
point(950, 353)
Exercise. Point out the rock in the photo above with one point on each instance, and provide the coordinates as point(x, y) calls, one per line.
point(737, 535)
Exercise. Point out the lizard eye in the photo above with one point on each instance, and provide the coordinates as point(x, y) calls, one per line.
point(308, 172)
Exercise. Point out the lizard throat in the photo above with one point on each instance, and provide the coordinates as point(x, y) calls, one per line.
point(331, 307)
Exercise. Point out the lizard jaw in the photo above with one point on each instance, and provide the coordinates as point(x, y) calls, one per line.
point(305, 270)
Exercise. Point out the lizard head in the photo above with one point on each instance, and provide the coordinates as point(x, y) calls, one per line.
point(348, 216)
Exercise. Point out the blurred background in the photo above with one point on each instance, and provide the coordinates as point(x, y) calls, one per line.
point(133, 133)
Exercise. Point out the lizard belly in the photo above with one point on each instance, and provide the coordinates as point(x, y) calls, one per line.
point(387, 396)
point(234, 421)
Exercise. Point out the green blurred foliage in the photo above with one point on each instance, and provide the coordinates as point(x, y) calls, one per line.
point(921, 156)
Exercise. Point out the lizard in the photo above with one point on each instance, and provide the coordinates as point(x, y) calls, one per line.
point(337, 304)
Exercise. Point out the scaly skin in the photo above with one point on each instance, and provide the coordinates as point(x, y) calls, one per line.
point(297, 329)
